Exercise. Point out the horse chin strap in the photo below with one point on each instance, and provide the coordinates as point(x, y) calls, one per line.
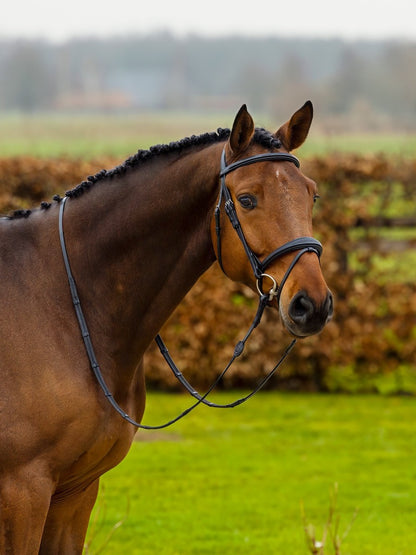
point(300, 245)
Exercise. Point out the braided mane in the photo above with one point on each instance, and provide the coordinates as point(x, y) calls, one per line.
point(261, 137)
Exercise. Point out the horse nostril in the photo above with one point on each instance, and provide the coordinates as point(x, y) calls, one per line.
point(330, 305)
point(301, 308)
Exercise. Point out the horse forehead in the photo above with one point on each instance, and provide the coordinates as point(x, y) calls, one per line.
point(286, 196)
point(288, 181)
point(262, 172)
point(272, 180)
point(290, 177)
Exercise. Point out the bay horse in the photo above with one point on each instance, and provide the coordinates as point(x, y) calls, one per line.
point(137, 237)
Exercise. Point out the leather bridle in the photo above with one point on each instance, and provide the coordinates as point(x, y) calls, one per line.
point(300, 245)
point(258, 267)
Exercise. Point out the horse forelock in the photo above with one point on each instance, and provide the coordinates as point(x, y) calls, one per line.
point(261, 136)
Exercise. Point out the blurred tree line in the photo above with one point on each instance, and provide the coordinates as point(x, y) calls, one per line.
point(360, 85)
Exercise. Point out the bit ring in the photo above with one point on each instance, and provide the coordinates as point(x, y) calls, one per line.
point(273, 292)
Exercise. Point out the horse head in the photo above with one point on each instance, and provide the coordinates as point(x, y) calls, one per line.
point(269, 203)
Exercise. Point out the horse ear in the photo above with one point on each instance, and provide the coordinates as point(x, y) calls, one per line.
point(242, 131)
point(294, 132)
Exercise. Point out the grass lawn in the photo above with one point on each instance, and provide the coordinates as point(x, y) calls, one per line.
point(89, 136)
point(234, 481)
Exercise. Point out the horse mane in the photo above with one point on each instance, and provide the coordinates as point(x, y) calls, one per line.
point(261, 136)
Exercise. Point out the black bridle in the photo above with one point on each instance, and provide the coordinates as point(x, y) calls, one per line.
point(300, 245)
point(304, 244)
point(297, 244)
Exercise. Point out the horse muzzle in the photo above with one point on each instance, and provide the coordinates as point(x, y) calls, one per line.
point(304, 316)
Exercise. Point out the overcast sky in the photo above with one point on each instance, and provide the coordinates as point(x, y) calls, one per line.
point(58, 20)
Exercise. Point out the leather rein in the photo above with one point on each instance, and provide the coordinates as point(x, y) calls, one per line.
point(300, 245)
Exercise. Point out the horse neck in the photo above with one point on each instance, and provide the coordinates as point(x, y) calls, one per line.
point(138, 243)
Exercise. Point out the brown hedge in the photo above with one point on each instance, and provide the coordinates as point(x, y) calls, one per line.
point(364, 200)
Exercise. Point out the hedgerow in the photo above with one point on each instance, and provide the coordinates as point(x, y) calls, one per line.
point(366, 220)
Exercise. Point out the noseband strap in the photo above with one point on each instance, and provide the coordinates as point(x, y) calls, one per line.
point(313, 245)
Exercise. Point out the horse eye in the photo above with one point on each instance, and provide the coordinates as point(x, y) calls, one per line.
point(248, 201)
point(315, 198)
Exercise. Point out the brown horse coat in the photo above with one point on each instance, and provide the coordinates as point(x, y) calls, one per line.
point(138, 238)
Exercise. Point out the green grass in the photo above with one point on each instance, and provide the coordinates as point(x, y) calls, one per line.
point(391, 144)
point(90, 136)
point(234, 481)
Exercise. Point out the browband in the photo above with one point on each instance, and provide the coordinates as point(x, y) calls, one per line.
point(264, 157)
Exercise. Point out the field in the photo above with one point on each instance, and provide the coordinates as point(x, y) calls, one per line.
point(246, 480)
point(90, 136)
point(236, 481)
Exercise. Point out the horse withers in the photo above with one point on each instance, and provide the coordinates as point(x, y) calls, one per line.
point(138, 237)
